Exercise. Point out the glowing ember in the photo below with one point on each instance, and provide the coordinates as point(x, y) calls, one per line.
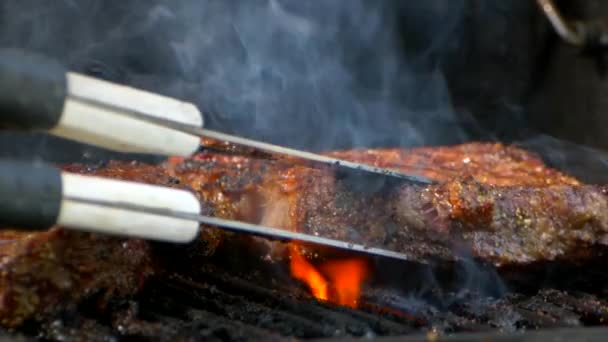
point(336, 281)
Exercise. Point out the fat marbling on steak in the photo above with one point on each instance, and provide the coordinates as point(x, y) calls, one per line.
point(501, 204)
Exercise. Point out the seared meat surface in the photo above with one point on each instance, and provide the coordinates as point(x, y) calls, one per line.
point(486, 163)
point(501, 204)
point(497, 203)
point(507, 225)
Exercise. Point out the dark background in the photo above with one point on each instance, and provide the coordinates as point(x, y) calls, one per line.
point(329, 74)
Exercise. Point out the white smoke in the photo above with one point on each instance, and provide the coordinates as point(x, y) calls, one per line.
point(309, 74)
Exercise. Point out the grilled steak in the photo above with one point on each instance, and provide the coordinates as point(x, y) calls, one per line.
point(497, 203)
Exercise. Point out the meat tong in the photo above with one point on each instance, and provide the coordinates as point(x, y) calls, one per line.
point(38, 196)
point(41, 94)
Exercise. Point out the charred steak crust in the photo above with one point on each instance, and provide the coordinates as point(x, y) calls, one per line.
point(501, 204)
point(498, 203)
point(44, 272)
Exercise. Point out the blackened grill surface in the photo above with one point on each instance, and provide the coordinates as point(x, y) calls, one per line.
point(218, 304)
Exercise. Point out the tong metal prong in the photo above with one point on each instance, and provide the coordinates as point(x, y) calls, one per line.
point(126, 119)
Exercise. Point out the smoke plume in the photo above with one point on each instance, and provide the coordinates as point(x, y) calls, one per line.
point(316, 75)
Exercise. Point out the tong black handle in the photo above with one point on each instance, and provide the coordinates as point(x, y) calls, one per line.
point(30, 194)
point(33, 90)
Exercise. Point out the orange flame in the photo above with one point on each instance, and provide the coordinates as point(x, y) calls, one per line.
point(304, 271)
point(335, 281)
point(346, 277)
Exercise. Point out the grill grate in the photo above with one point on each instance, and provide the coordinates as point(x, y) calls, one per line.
point(232, 296)
point(227, 306)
